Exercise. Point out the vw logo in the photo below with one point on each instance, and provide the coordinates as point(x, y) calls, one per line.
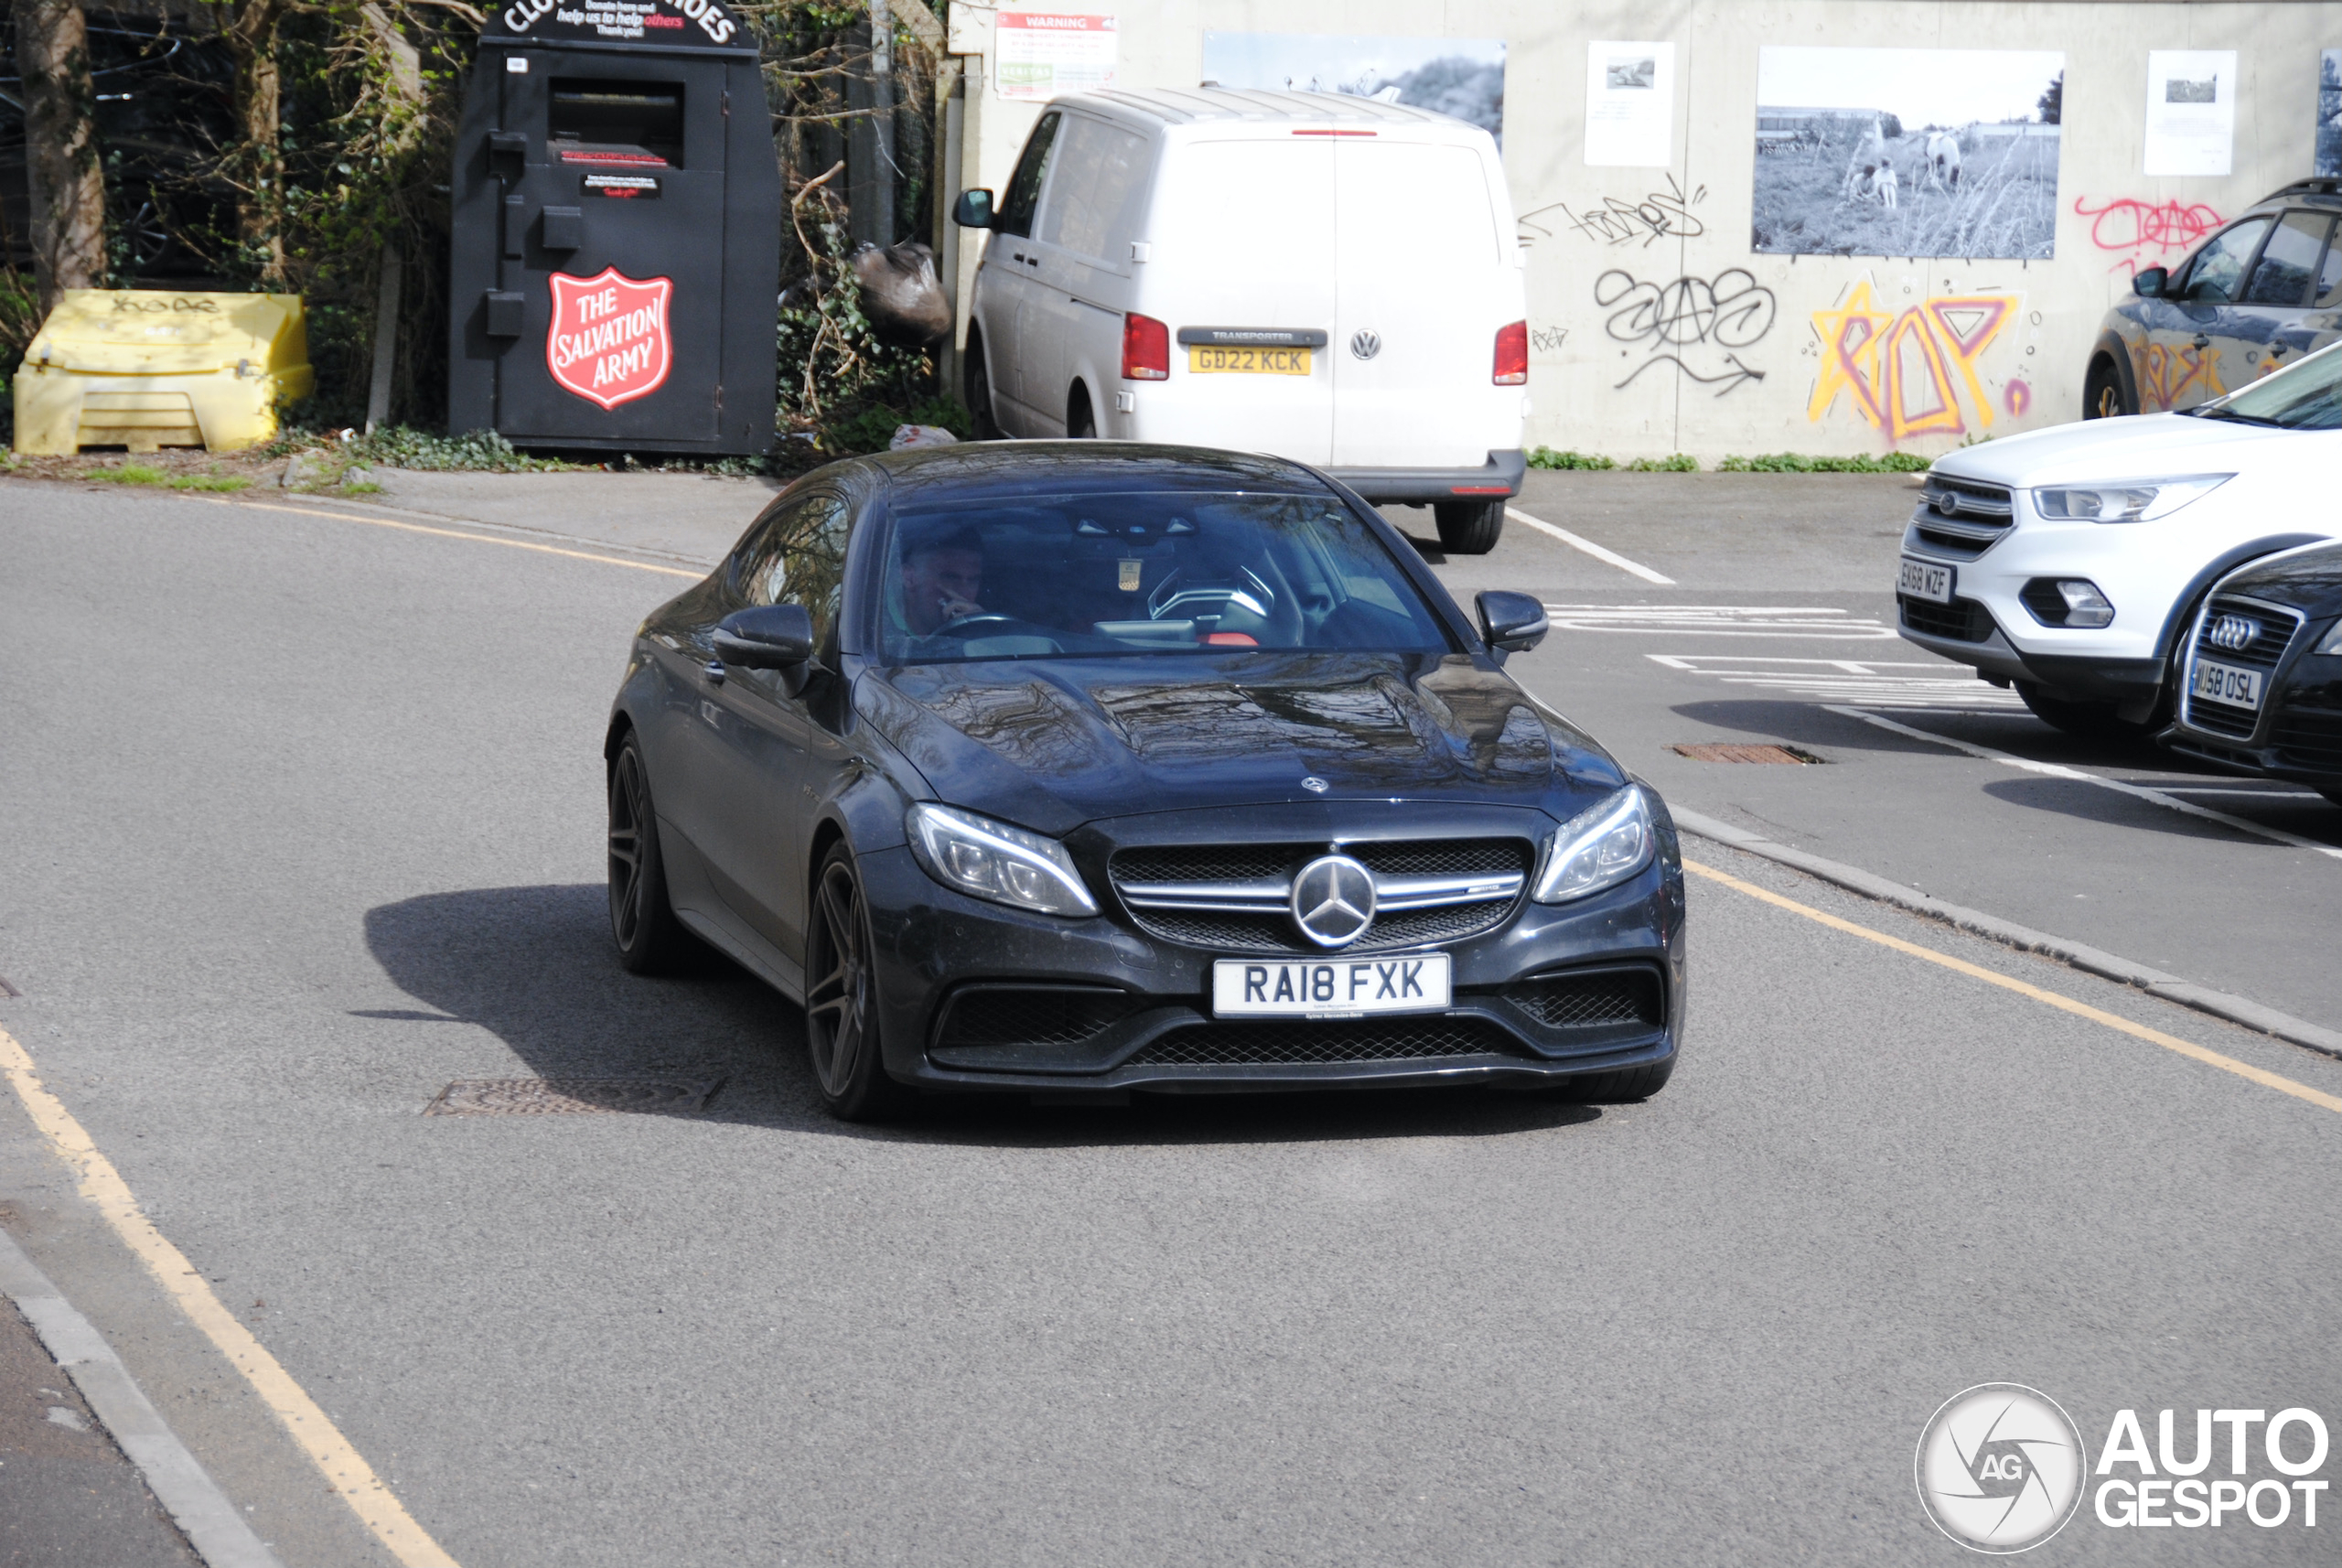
point(2233, 632)
point(1333, 900)
point(1366, 344)
point(1947, 502)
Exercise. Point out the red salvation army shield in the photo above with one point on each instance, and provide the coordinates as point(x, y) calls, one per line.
point(609, 341)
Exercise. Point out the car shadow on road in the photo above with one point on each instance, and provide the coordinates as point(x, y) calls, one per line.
point(2017, 733)
point(534, 967)
point(2311, 818)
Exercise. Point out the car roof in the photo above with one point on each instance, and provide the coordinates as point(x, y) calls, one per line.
point(1202, 105)
point(997, 468)
point(2323, 194)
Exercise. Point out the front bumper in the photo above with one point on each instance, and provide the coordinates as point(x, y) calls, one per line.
point(936, 949)
point(1499, 479)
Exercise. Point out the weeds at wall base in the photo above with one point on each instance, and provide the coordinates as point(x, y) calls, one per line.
point(1766, 463)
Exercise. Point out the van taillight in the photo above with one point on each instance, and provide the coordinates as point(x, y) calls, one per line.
point(1146, 348)
point(1512, 355)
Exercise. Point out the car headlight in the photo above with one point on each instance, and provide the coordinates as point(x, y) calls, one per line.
point(2130, 501)
point(1600, 847)
point(976, 855)
point(2332, 642)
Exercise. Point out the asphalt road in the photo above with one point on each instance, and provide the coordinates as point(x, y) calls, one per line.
point(304, 824)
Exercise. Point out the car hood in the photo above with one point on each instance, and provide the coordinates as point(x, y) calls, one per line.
point(1052, 744)
point(2308, 579)
point(2148, 446)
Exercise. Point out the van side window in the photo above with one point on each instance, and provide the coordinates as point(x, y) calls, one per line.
point(1025, 186)
point(1094, 200)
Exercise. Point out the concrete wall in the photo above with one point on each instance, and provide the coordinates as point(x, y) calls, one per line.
point(1984, 348)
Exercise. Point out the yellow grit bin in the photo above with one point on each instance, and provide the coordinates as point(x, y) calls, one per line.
point(148, 369)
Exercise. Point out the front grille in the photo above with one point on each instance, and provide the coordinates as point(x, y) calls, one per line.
point(1450, 916)
point(1962, 620)
point(1038, 1015)
point(1980, 515)
point(1605, 997)
point(1303, 1043)
point(2272, 629)
point(2309, 738)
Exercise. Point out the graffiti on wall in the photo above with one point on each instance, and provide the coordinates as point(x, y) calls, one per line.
point(1913, 370)
point(2133, 227)
point(1709, 320)
point(1659, 215)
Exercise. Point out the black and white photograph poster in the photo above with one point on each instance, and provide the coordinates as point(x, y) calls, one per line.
point(1462, 77)
point(2329, 115)
point(2191, 112)
point(1630, 105)
point(1908, 152)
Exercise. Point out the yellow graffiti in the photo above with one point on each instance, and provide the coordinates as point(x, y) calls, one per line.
point(2168, 374)
point(1902, 370)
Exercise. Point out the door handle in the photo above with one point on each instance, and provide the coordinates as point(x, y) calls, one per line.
point(715, 671)
point(1031, 261)
point(2201, 341)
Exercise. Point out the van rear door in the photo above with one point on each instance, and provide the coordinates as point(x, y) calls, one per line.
point(1242, 235)
point(1420, 295)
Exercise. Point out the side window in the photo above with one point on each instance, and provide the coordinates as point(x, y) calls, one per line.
point(2329, 272)
point(2289, 261)
point(2218, 267)
point(799, 558)
point(1025, 185)
point(1101, 169)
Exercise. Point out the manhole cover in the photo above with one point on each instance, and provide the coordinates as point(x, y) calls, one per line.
point(1732, 751)
point(569, 1096)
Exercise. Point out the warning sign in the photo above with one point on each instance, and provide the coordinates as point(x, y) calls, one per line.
point(609, 341)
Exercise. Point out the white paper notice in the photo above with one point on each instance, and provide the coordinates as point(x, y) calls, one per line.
point(1630, 105)
point(1040, 53)
point(2191, 111)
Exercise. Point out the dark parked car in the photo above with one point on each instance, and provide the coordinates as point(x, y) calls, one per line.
point(1082, 768)
point(2259, 292)
point(2263, 689)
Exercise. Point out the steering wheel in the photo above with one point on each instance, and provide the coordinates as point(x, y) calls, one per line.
point(958, 625)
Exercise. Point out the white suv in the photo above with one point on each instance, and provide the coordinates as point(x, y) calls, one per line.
point(2068, 562)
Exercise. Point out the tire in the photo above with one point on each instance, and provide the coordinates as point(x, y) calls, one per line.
point(2084, 720)
point(1469, 527)
point(2102, 396)
point(840, 1006)
point(976, 382)
point(1625, 1085)
point(651, 940)
point(1081, 424)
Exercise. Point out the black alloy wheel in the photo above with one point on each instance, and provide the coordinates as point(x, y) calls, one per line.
point(841, 999)
point(649, 937)
point(1469, 527)
point(977, 382)
point(2102, 392)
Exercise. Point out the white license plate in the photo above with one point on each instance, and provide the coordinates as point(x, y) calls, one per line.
point(2224, 684)
point(1925, 580)
point(1329, 988)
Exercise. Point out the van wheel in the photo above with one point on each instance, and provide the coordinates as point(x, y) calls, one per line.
point(1081, 424)
point(976, 382)
point(2102, 392)
point(1469, 527)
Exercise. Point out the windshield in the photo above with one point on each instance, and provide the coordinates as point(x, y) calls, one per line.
point(2306, 396)
point(1151, 573)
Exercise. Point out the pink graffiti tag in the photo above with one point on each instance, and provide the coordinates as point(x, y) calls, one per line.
point(2138, 227)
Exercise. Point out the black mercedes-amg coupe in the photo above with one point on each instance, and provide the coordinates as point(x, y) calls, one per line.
point(1066, 769)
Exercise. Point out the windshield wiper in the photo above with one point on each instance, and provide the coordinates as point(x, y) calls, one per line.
point(2202, 411)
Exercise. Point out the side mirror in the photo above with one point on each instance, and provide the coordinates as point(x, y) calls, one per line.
point(973, 210)
point(767, 637)
point(2147, 282)
point(1510, 623)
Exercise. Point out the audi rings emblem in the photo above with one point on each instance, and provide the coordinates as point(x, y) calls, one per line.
point(2233, 632)
point(1333, 900)
point(1366, 344)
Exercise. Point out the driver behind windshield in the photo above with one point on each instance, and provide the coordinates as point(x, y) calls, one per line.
point(941, 576)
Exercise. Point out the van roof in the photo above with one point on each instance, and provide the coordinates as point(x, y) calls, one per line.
point(1188, 106)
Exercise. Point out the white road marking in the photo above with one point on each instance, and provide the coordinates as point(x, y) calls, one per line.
point(1723, 620)
point(2057, 770)
point(1943, 688)
point(1591, 548)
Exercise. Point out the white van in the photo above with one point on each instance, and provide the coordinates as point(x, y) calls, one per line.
point(1329, 279)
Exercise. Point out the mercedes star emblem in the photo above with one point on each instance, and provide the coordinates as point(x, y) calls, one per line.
point(1314, 784)
point(1366, 344)
point(1333, 900)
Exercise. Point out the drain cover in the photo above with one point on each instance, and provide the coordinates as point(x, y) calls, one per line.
point(569, 1096)
point(1730, 751)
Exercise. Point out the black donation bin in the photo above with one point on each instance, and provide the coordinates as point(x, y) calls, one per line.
point(616, 246)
